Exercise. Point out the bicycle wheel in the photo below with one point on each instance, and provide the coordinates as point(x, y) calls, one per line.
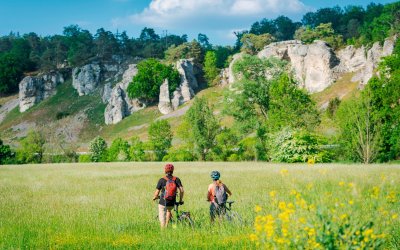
point(234, 217)
point(186, 220)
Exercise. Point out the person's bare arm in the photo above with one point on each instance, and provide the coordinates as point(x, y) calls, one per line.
point(156, 194)
point(181, 192)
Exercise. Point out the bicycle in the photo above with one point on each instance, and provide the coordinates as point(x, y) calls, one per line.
point(225, 212)
point(183, 217)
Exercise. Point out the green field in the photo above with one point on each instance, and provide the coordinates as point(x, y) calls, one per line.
point(97, 206)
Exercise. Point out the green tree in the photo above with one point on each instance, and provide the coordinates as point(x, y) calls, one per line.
point(118, 151)
point(136, 151)
point(98, 149)
point(252, 44)
point(106, 44)
point(290, 106)
point(359, 132)
point(160, 136)
point(204, 127)
point(324, 32)
point(32, 148)
point(248, 101)
point(151, 74)
point(385, 96)
point(6, 154)
point(11, 73)
point(225, 147)
point(204, 41)
point(210, 66)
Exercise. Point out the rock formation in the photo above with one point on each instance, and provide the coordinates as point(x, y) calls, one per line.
point(313, 65)
point(34, 89)
point(106, 95)
point(86, 79)
point(164, 102)
point(119, 104)
point(186, 89)
point(316, 66)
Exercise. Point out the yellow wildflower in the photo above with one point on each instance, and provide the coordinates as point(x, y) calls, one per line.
point(375, 192)
point(394, 216)
point(253, 237)
point(391, 197)
point(351, 202)
point(257, 209)
point(272, 194)
point(284, 172)
point(282, 205)
point(342, 183)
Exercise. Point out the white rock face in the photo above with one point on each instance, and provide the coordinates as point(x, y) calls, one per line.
point(120, 105)
point(185, 91)
point(34, 89)
point(316, 66)
point(164, 103)
point(86, 79)
point(107, 90)
point(313, 64)
point(188, 84)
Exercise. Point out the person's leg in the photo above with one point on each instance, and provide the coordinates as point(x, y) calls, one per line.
point(161, 215)
point(212, 212)
point(168, 215)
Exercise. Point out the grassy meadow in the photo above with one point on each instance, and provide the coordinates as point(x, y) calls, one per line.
point(98, 206)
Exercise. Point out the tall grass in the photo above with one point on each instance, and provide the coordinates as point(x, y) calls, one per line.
point(89, 206)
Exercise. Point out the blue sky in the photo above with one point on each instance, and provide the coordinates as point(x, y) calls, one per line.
point(216, 18)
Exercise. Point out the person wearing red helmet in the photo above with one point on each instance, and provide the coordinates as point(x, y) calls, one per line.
point(168, 187)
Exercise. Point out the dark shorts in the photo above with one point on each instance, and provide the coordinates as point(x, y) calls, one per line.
point(216, 210)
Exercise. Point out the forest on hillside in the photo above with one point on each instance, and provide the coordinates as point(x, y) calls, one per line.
point(273, 120)
point(27, 53)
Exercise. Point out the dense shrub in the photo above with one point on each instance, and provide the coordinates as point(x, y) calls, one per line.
point(151, 74)
point(98, 150)
point(298, 146)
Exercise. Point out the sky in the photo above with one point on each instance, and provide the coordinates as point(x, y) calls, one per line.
point(218, 19)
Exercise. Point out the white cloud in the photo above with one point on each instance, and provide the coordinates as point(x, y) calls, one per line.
point(209, 16)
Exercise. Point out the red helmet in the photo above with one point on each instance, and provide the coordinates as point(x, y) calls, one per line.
point(169, 168)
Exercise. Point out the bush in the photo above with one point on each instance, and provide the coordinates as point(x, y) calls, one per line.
point(98, 149)
point(160, 137)
point(7, 156)
point(32, 148)
point(179, 155)
point(85, 158)
point(298, 146)
point(118, 151)
point(332, 107)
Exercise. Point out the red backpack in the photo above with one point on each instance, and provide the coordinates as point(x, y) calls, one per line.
point(170, 188)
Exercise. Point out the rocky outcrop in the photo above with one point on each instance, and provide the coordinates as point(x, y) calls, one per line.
point(186, 89)
point(34, 89)
point(107, 90)
point(364, 61)
point(188, 83)
point(119, 104)
point(164, 101)
point(316, 66)
point(86, 79)
point(313, 64)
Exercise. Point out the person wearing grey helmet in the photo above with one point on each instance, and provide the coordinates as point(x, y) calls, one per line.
point(217, 195)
